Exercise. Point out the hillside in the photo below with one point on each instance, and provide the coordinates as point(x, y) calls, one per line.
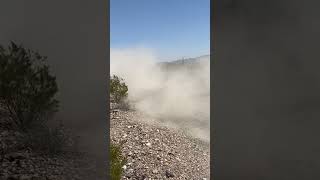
point(166, 135)
point(189, 63)
point(157, 152)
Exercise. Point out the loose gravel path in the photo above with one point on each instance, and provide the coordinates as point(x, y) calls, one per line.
point(157, 152)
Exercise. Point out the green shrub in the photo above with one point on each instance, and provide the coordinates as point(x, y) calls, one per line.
point(117, 161)
point(118, 89)
point(27, 99)
point(27, 89)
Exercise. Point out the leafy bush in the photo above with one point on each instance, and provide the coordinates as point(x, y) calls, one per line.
point(27, 89)
point(117, 161)
point(118, 89)
point(27, 99)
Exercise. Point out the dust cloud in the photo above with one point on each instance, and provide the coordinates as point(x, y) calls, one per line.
point(178, 98)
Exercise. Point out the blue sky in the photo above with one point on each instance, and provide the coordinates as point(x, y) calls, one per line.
point(172, 28)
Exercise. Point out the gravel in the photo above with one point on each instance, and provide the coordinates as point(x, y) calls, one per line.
point(157, 152)
point(20, 163)
point(152, 151)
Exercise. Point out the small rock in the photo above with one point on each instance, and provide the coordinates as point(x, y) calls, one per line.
point(14, 156)
point(154, 171)
point(170, 153)
point(143, 177)
point(25, 177)
point(4, 133)
point(169, 174)
point(130, 170)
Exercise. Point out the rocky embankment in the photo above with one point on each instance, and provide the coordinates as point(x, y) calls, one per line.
point(157, 152)
point(18, 162)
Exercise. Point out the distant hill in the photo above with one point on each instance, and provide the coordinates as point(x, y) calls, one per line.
point(189, 63)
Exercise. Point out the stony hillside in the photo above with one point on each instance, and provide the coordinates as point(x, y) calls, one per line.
point(157, 152)
point(18, 162)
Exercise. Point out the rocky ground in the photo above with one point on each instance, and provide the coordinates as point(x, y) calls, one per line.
point(157, 152)
point(153, 152)
point(20, 163)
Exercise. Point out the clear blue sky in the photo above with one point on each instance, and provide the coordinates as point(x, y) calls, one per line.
point(173, 28)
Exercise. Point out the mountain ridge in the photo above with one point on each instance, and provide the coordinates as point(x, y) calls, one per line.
point(188, 63)
point(186, 60)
